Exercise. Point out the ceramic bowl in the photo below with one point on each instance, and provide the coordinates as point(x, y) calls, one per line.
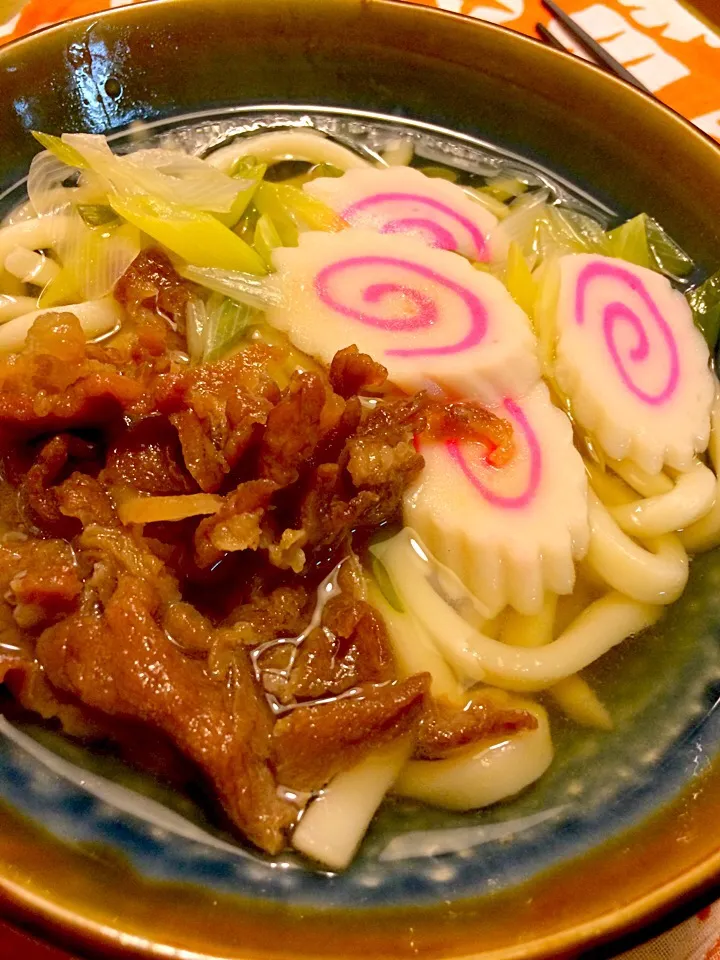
point(623, 830)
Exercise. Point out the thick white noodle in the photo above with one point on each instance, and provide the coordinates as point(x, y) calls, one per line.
point(533, 631)
point(491, 628)
point(24, 211)
point(96, 317)
point(31, 266)
point(573, 695)
point(414, 649)
point(11, 307)
point(577, 699)
point(647, 484)
point(39, 233)
point(692, 496)
point(605, 623)
point(486, 773)
point(610, 488)
point(287, 145)
point(398, 153)
point(334, 823)
point(653, 576)
point(705, 533)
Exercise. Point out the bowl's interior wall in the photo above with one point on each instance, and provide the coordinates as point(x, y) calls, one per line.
point(384, 56)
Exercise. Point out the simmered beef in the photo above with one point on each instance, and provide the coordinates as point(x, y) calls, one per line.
point(203, 626)
point(446, 727)
point(313, 743)
point(125, 665)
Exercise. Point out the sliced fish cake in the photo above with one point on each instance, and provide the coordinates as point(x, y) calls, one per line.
point(511, 533)
point(426, 314)
point(403, 200)
point(630, 360)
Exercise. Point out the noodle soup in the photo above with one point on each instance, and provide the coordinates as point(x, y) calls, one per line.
point(331, 469)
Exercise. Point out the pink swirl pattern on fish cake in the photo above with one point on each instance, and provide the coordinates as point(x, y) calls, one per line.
point(526, 497)
point(439, 235)
point(616, 312)
point(426, 315)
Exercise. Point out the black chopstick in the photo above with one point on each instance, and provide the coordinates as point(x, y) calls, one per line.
point(550, 39)
point(586, 41)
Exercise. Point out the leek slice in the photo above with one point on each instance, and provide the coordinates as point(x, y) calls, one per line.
point(93, 258)
point(227, 324)
point(60, 291)
point(577, 699)
point(46, 185)
point(414, 649)
point(519, 279)
point(64, 152)
point(251, 171)
point(97, 214)
point(195, 323)
point(643, 241)
point(385, 584)
point(291, 209)
point(705, 304)
point(194, 235)
point(440, 173)
point(169, 175)
point(504, 188)
point(243, 287)
point(266, 239)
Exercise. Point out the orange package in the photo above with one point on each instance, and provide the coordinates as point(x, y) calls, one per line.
point(669, 47)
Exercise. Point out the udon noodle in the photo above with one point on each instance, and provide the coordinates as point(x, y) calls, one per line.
point(520, 557)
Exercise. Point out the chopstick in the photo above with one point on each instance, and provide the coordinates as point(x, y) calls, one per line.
point(549, 38)
point(586, 41)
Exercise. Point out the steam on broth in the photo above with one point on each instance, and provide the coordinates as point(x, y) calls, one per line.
point(331, 472)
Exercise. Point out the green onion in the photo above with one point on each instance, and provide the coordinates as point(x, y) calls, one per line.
point(266, 239)
point(705, 304)
point(63, 151)
point(226, 325)
point(666, 254)
point(440, 173)
point(504, 188)
point(96, 257)
point(581, 230)
point(309, 210)
point(196, 236)
point(385, 584)
point(260, 292)
point(644, 242)
point(519, 280)
point(268, 203)
point(62, 290)
point(248, 169)
point(97, 214)
point(324, 170)
point(290, 208)
point(629, 242)
point(558, 232)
